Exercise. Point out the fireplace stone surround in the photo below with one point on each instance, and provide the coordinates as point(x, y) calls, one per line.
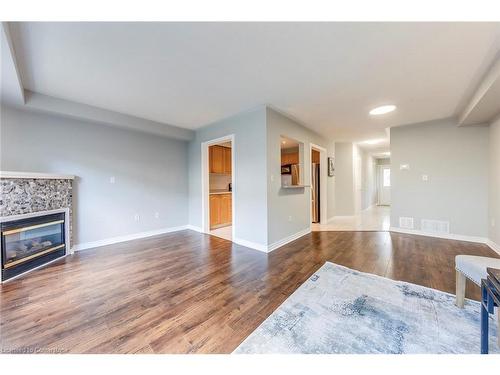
point(25, 194)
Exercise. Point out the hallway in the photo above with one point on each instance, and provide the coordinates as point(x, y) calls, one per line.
point(375, 218)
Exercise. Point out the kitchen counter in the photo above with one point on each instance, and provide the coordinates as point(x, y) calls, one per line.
point(220, 192)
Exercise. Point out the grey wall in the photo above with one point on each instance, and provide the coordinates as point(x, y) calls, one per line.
point(150, 171)
point(456, 160)
point(286, 203)
point(250, 189)
point(344, 179)
point(494, 190)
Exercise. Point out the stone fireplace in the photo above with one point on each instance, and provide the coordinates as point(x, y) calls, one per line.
point(35, 220)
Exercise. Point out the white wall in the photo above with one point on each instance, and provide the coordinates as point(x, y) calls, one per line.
point(286, 203)
point(456, 161)
point(368, 180)
point(150, 171)
point(494, 188)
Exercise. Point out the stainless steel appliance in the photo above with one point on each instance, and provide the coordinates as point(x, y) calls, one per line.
point(315, 196)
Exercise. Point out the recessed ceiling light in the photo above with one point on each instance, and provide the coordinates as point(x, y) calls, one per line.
point(284, 142)
point(372, 142)
point(382, 110)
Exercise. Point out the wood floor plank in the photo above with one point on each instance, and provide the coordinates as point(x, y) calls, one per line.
point(186, 292)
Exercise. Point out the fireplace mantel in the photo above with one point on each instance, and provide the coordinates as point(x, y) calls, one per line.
point(35, 175)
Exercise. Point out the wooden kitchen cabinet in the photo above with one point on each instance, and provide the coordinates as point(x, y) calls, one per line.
point(227, 160)
point(225, 208)
point(215, 218)
point(220, 159)
point(220, 210)
point(290, 158)
point(216, 159)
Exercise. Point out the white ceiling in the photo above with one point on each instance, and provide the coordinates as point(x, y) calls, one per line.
point(327, 75)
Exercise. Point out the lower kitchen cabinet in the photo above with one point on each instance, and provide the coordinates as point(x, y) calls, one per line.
point(220, 210)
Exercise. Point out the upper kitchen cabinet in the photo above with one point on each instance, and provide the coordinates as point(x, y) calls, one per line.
point(291, 157)
point(220, 159)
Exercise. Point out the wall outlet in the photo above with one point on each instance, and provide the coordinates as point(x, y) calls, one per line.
point(137, 217)
point(289, 218)
point(157, 215)
point(112, 180)
point(425, 177)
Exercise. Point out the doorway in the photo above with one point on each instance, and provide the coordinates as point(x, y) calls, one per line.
point(318, 184)
point(315, 186)
point(384, 185)
point(218, 187)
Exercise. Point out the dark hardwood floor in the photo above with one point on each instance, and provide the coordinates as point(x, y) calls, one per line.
point(191, 293)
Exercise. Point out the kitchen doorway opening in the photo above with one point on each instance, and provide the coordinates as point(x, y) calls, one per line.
point(218, 187)
point(318, 196)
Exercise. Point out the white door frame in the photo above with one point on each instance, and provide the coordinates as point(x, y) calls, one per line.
point(205, 180)
point(323, 173)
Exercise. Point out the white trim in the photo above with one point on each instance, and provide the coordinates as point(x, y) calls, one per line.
point(288, 239)
point(323, 171)
point(273, 246)
point(36, 175)
point(128, 237)
point(250, 244)
point(494, 246)
point(205, 179)
point(448, 236)
point(195, 228)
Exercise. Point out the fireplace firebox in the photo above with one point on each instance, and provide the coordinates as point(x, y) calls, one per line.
point(31, 242)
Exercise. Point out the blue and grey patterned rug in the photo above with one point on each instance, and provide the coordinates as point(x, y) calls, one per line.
point(339, 310)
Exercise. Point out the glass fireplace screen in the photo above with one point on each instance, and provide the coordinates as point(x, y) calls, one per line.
point(30, 239)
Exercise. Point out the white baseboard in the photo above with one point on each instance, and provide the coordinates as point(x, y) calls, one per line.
point(195, 228)
point(494, 246)
point(448, 236)
point(288, 239)
point(273, 246)
point(128, 237)
point(250, 244)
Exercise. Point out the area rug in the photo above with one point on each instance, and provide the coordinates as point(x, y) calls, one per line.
point(339, 310)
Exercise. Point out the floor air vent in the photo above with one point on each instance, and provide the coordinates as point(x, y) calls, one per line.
point(406, 222)
point(435, 226)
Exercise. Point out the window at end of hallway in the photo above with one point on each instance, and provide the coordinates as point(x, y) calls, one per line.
point(387, 178)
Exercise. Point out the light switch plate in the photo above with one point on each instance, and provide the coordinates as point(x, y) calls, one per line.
point(425, 177)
